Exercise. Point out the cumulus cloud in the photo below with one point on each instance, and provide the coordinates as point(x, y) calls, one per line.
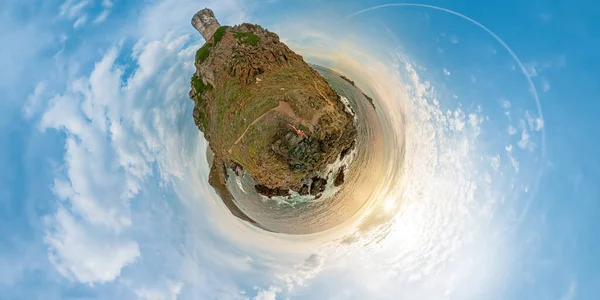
point(115, 132)
point(127, 129)
point(84, 254)
point(99, 189)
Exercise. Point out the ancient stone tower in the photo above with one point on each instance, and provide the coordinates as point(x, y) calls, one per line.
point(205, 22)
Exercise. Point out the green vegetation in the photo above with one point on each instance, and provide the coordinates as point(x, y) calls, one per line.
point(247, 38)
point(203, 52)
point(201, 117)
point(198, 85)
point(236, 106)
point(218, 36)
point(254, 154)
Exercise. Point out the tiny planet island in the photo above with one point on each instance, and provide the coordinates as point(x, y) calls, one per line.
point(266, 113)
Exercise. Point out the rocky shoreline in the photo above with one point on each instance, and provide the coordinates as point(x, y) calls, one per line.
point(354, 85)
point(266, 112)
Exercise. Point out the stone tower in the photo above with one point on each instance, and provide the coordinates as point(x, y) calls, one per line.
point(205, 22)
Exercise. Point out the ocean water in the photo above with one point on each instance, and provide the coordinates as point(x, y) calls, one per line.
point(304, 214)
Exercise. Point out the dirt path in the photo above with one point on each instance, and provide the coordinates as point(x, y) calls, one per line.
point(286, 109)
point(283, 108)
point(250, 125)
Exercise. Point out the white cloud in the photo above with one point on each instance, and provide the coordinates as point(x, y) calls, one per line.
point(495, 162)
point(107, 5)
point(80, 22)
point(115, 132)
point(120, 130)
point(545, 85)
point(99, 188)
point(539, 124)
point(524, 141)
point(270, 294)
point(473, 120)
point(102, 16)
point(304, 271)
point(35, 100)
point(85, 255)
point(74, 10)
point(153, 293)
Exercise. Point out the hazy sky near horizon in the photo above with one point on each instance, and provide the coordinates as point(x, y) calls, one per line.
point(104, 193)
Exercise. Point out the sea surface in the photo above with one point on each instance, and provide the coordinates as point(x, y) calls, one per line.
point(365, 171)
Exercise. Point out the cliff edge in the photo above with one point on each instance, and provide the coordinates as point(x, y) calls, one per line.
point(266, 111)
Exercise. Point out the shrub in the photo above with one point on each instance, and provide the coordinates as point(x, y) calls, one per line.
point(248, 38)
point(203, 52)
point(219, 34)
point(198, 85)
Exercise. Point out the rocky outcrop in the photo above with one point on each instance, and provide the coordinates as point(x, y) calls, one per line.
point(267, 112)
point(354, 85)
point(339, 178)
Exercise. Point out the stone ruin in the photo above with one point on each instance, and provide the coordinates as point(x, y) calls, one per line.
point(206, 23)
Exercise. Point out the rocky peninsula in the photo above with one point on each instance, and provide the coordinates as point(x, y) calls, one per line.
point(266, 112)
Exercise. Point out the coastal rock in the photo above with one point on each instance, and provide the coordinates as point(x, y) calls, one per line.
point(266, 112)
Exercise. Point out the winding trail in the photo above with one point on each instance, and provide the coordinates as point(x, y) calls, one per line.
point(283, 108)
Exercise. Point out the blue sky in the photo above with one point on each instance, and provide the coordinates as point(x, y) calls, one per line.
point(103, 191)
